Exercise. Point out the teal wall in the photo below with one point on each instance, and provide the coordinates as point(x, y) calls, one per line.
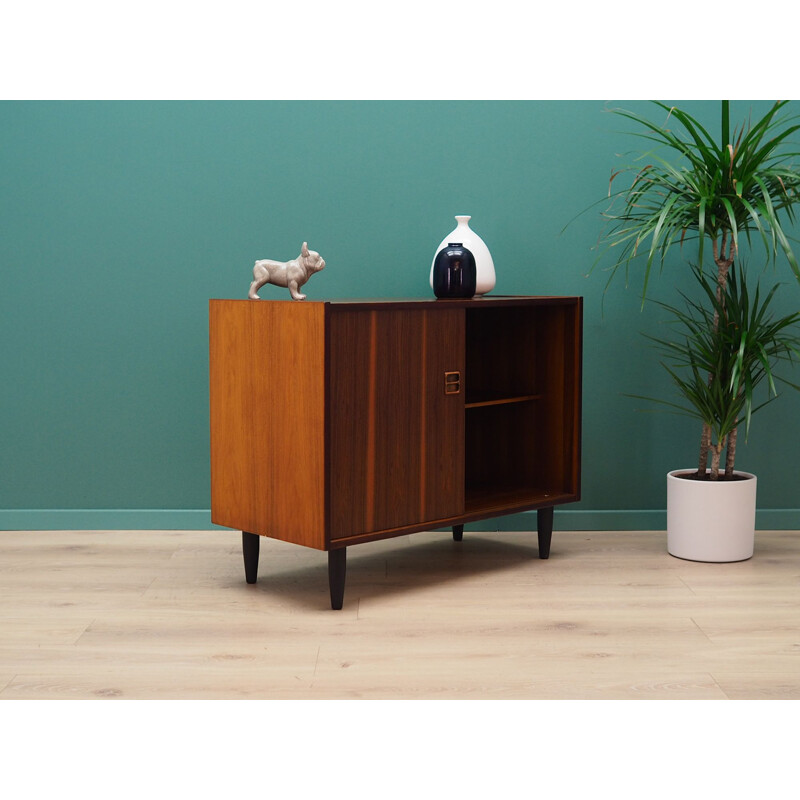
point(120, 220)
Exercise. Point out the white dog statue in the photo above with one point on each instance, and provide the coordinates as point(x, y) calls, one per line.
point(291, 274)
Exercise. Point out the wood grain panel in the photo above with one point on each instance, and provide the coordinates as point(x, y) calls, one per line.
point(442, 434)
point(560, 355)
point(396, 413)
point(555, 405)
point(396, 439)
point(267, 395)
point(233, 496)
point(575, 390)
point(350, 342)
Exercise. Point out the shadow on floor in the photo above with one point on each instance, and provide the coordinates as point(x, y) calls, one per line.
point(391, 567)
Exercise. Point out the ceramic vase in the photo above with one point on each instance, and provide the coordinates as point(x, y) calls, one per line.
point(454, 272)
point(711, 520)
point(484, 266)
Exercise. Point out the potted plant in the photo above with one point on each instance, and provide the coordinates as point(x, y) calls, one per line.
point(717, 192)
point(728, 346)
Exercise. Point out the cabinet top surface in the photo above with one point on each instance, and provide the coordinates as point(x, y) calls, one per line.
point(431, 302)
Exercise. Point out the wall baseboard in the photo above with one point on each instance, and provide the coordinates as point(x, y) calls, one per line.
point(94, 519)
point(200, 519)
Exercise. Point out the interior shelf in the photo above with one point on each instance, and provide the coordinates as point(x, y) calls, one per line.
point(487, 499)
point(498, 401)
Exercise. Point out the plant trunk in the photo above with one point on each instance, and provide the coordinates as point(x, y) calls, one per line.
point(716, 453)
point(705, 444)
point(724, 264)
point(714, 475)
point(730, 455)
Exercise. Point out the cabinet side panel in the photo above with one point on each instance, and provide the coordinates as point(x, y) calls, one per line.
point(267, 418)
point(560, 356)
point(555, 406)
point(574, 389)
point(233, 496)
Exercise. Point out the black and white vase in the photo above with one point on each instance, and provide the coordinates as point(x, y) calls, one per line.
point(484, 265)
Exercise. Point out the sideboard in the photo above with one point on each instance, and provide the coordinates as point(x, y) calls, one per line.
point(336, 423)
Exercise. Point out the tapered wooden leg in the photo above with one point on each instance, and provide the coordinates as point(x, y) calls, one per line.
point(337, 565)
point(458, 533)
point(544, 522)
point(250, 546)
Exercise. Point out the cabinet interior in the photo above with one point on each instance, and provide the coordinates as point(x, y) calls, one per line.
point(521, 368)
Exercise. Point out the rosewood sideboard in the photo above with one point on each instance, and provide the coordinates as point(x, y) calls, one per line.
point(336, 423)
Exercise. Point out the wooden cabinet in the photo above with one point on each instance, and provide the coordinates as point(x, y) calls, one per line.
point(338, 423)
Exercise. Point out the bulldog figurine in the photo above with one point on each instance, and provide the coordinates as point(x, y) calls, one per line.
point(291, 274)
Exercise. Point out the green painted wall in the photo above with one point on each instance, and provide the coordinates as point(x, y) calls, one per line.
point(119, 221)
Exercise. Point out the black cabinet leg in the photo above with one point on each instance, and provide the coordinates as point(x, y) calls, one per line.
point(337, 565)
point(458, 533)
point(544, 522)
point(250, 546)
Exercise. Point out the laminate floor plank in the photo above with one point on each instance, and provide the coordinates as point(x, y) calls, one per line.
point(509, 685)
point(769, 685)
point(168, 615)
point(232, 678)
point(37, 631)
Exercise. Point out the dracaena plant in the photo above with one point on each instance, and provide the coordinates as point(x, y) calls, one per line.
point(692, 186)
point(728, 343)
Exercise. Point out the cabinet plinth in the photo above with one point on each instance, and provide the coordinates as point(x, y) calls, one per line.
point(340, 422)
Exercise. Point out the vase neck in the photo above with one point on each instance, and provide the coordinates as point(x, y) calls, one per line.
point(463, 221)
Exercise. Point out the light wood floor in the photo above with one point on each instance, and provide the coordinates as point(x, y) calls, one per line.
point(168, 615)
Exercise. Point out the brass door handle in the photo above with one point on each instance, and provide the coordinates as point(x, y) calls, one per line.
point(452, 382)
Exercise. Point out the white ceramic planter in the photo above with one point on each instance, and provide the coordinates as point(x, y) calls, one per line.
point(711, 521)
point(484, 265)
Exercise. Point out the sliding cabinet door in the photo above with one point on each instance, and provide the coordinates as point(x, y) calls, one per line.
point(396, 417)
